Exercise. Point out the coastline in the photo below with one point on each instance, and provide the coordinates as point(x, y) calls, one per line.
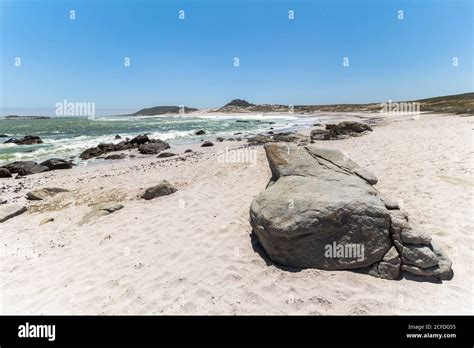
point(66, 138)
point(193, 252)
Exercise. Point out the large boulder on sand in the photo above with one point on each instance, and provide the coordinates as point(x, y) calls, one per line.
point(311, 208)
point(320, 211)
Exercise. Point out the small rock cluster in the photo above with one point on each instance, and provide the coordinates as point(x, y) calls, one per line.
point(288, 137)
point(23, 168)
point(341, 130)
point(144, 145)
point(26, 140)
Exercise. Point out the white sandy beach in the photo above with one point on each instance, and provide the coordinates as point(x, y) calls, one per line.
point(192, 252)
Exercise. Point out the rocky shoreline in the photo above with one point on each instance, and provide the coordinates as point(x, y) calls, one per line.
point(148, 146)
point(348, 210)
point(138, 234)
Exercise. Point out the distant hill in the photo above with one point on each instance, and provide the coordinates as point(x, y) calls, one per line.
point(454, 104)
point(160, 110)
point(240, 105)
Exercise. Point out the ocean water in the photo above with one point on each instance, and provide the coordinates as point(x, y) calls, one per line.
point(67, 137)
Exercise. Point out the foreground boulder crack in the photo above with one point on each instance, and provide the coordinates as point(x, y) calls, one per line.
point(320, 210)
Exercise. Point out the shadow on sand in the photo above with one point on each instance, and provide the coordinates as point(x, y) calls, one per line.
point(258, 248)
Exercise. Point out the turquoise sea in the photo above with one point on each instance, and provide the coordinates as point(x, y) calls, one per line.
point(67, 137)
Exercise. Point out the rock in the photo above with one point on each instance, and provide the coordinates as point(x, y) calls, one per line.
point(238, 133)
point(127, 144)
point(295, 227)
point(310, 207)
point(90, 153)
point(421, 256)
point(389, 267)
point(415, 235)
point(188, 151)
point(319, 210)
point(340, 131)
point(3, 136)
point(320, 134)
point(5, 173)
point(45, 221)
point(220, 139)
point(106, 147)
point(25, 168)
point(366, 175)
point(140, 139)
point(153, 147)
point(207, 143)
point(399, 221)
point(124, 145)
point(442, 270)
point(9, 211)
point(342, 162)
point(40, 194)
point(390, 204)
point(117, 137)
point(100, 210)
point(200, 132)
point(117, 156)
point(166, 154)
point(444, 263)
point(291, 137)
point(348, 127)
point(259, 139)
point(28, 140)
point(56, 163)
point(164, 188)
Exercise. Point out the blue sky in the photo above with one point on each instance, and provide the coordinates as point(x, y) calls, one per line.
point(190, 61)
